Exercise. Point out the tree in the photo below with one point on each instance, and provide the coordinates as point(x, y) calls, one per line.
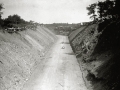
point(106, 9)
point(110, 8)
point(1, 21)
point(92, 11)
point(1, 7)
point(14, 19)
point(117, 7)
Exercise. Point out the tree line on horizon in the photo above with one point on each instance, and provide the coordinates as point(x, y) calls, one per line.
point(12, 20)
point(99, 11)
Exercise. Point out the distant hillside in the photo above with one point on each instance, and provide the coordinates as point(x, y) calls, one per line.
point(57, 27)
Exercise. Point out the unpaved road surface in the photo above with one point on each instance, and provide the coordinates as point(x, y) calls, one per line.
point(58, 71)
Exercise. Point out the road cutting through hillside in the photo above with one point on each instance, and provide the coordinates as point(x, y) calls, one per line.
point(59, 70)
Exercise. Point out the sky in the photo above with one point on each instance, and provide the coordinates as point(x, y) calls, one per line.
point(48, 11)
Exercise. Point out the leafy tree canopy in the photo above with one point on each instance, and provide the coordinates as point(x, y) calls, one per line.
point(14, 19)
point(108, 9)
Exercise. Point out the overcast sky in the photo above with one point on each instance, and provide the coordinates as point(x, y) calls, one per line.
point(48, 11)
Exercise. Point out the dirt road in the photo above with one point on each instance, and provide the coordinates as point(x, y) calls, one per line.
point(58, 71)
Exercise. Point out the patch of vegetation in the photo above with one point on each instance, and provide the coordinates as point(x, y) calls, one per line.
point(97, 47)
point(14, 23)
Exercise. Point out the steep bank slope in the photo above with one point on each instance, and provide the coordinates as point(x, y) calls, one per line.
point(98, 48)
point(19, 53)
